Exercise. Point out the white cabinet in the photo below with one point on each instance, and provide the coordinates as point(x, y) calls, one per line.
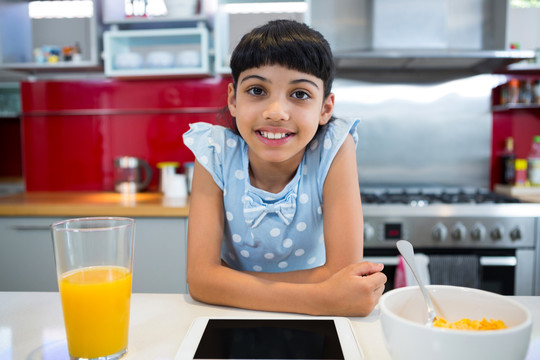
point(159, 260)
point(234, 18)
point(27, 257)
point(156, 52)
point(29, 42)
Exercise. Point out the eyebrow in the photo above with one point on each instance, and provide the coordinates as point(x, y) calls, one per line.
point(297, 81)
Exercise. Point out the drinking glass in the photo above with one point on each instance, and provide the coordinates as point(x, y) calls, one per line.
point(94, 261)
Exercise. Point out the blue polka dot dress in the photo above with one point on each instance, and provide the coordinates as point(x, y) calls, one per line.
point(265, 231)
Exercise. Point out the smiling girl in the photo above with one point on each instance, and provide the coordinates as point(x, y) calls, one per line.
point(275, 218)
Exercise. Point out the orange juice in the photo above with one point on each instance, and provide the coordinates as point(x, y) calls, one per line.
point(96, 301)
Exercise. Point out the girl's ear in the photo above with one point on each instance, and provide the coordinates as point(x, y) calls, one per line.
point(327, 109)
point(231, 99)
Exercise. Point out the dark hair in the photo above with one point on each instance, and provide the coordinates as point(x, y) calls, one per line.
point(287, 43)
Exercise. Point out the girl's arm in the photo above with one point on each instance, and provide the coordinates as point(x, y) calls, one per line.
point(337, 288)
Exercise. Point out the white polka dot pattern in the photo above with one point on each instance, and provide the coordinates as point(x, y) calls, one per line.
point(287, 243)
point(272, 245)
point(328, 144)
point(239, 174)
point(275, 232)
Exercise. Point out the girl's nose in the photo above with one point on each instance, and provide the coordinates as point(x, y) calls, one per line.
point(276, 110)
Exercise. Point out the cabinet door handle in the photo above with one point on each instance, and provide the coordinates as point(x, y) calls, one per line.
point(31, 227)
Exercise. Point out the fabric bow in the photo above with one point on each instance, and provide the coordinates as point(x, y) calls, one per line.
point(255, 209)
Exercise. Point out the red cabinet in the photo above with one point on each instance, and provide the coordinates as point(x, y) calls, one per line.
point(73, 130)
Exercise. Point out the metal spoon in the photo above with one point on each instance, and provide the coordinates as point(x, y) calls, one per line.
point(406, 250)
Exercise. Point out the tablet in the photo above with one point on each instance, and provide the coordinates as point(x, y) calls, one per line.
point(310, 338)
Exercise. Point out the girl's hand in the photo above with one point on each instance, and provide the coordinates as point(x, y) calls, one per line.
point(352, 291)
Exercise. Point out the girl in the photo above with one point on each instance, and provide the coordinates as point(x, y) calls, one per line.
point(275, 218)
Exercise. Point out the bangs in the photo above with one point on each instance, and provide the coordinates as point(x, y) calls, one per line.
point(288, 46)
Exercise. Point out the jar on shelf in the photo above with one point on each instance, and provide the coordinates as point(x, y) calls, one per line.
point(526, 91)
point(520, 174)
point(513, 91)
point(536, 91)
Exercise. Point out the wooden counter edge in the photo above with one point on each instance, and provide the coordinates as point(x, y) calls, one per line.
point(92, 204)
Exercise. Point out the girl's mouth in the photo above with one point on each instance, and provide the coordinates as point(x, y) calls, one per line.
point(273, 135)
point(274, 138)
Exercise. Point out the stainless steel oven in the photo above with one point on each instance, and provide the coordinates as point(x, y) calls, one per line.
point(500, 233)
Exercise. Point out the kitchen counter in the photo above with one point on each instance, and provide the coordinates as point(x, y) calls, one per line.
point(31, 326)
point(71, 204)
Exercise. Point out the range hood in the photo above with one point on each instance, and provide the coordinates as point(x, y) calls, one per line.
point(475, 61)
point(418, 35)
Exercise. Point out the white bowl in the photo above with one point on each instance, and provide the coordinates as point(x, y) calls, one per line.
point(160, 60)
point(403, 318)
point(128, 60)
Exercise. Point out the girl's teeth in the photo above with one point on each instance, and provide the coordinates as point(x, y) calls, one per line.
point(273, 136)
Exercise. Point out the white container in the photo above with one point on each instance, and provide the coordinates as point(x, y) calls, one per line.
point(176, 186)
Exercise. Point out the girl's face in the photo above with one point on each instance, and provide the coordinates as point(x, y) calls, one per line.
point(278, 111)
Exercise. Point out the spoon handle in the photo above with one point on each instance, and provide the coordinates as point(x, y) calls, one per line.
point(406, 250)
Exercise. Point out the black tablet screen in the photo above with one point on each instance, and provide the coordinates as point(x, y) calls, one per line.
point(269, 339)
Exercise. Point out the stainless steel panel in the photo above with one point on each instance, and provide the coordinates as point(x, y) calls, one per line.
point(451, 232)
point(420, 133)
point(524, 276)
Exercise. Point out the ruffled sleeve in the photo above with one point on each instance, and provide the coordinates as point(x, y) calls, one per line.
point(207, 141)
point(327, 143)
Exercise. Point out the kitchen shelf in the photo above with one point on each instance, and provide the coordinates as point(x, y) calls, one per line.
point(524, 67)
point(21, 36)
point(193, 19)
point(507, 107)
point(156, 52)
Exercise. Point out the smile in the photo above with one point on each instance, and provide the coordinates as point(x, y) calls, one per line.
point(273, 136)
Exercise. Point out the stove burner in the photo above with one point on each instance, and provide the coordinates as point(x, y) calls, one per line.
point(424, 197)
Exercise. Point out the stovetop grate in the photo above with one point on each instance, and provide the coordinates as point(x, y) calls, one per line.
point(422, 197)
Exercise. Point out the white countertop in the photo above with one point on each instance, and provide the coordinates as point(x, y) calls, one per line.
point(32, 328)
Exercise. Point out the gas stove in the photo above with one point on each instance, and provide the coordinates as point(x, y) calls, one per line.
point(502, 231)
point(447, 218)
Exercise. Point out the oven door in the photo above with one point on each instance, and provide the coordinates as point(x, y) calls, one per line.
point(506, 272)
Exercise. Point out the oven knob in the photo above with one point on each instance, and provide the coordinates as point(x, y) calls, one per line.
point(369, 232)
point(439, 232)
point(497, 233)
point(458, 232)
point(515, 234)
point(478, 232)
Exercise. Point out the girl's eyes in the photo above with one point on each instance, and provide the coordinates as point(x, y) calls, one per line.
point(301, 95)
point(256, 91)
point(298, 94)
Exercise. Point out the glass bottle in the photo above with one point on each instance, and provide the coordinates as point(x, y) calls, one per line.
point(533, 162)
point(507, 160)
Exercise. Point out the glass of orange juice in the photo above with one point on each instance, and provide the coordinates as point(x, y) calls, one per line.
point(94, 261)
